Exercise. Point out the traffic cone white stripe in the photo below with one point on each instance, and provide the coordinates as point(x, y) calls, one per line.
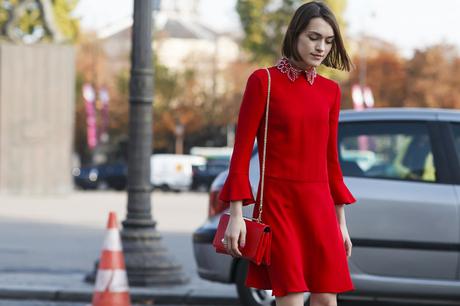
point(111, 280)
point(112, 241)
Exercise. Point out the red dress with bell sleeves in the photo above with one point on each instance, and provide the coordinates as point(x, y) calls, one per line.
point(303, 180)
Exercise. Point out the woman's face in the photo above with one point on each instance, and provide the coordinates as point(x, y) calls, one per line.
point(315, 42)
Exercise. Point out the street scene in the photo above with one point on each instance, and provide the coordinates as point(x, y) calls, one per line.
point(140, 140)
point(47, 252)
point(50, 244)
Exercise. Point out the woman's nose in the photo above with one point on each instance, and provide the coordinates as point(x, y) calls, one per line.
point(320, 46)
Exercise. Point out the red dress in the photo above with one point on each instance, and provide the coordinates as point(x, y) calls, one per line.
point(303, 180)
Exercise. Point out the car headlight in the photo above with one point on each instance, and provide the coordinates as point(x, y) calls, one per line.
point(76, 171)
point(93, 175)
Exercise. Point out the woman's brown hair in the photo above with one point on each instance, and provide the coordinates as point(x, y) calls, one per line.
point(337, 57)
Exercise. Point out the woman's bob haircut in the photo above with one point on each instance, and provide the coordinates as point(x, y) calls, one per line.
point(337, 57)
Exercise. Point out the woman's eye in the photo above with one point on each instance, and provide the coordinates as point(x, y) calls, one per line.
point(329, 41)
point(313, 38)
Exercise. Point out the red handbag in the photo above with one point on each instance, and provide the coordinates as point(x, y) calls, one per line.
point(258, 234)
point(258, 240)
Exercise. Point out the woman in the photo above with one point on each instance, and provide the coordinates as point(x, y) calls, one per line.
point(304, 192)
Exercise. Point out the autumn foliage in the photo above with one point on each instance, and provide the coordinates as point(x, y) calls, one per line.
point(430, 78)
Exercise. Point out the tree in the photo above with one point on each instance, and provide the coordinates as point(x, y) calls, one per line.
point(385, 75)
point(181, 102)
point(433, 77)
point(31, 21)
point(180, 99)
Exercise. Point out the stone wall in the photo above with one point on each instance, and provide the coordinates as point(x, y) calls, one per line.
point(37, 101)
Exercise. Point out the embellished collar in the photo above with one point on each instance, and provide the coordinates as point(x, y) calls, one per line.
point(293, 73)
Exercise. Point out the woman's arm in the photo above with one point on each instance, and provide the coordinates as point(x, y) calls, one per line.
point(340, 213)
point(237, 186)
point(339, 191)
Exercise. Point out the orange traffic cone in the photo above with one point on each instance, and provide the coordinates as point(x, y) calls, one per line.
point(111, 287)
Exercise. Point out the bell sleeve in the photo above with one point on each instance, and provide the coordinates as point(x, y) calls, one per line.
point(339, 191)
point(237, 186)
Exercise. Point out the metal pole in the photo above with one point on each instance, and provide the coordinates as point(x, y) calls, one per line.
point(147, 261)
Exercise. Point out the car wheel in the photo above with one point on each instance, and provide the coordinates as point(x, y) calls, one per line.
point(202, 188)
point(102, 185)
point(253, 296)
point(165, 187)
point(119, 187)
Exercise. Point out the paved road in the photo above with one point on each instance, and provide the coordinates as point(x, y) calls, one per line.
point(54, 236)
point(65, 234)
point(37, 303)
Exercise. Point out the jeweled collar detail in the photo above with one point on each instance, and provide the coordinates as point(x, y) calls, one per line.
point(293, 73)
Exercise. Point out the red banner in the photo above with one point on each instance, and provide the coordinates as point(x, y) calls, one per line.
point(104, 98)
point(89, 96)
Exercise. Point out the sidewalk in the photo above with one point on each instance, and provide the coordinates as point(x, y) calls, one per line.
point(71, 288)
point(49, 244)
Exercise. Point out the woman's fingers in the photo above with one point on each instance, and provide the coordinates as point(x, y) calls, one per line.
point(235, 247)
point(235, 229)
point(232, 246)
point(348, 247)
point(242, 239)
point(228, 245)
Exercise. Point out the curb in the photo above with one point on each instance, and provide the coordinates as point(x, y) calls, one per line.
point(187, 296)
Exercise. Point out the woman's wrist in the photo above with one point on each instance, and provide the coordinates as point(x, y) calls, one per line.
point(236, 208)
point(340, 213)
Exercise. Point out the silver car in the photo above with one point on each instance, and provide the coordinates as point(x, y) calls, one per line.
point(403, 167)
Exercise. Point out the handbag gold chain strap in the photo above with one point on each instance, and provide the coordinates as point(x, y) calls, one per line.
point(259, 218)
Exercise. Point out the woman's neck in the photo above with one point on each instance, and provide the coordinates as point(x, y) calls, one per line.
point(300, 65)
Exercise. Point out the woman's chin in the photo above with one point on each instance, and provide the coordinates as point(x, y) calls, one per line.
point(314, 62)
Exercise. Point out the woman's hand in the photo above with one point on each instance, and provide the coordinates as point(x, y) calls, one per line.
point(346, 239)
point(235, 234)
point(340, 212)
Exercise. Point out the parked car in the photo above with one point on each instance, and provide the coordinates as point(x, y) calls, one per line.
point(116, 175)
point(107, 175)
point(403, 167)
point(173, 171)
point(86, 177)
point(204, 175)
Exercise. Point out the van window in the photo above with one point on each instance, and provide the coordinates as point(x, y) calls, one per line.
point(389, 150)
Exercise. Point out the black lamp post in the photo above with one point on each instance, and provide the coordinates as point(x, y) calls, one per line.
point(147, 260)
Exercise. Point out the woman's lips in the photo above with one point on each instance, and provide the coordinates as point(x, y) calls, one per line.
point(317, 56)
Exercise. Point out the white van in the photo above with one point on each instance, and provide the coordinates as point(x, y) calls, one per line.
point(173, 171)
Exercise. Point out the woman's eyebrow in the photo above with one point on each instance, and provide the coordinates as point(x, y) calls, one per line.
point(320, 34)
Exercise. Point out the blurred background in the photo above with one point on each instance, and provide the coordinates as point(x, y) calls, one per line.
point(64, 126)
point(404, 54)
